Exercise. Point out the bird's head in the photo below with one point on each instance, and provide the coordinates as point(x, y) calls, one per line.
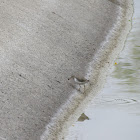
point(71, 77)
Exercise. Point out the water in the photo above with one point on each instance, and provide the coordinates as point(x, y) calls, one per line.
point(115, 113)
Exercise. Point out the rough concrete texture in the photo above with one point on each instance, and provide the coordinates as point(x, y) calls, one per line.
point(43, 43)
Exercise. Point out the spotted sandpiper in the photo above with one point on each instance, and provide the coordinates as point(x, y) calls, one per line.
point(79, 81)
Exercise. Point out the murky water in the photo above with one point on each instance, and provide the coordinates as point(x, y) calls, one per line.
point(115, 113)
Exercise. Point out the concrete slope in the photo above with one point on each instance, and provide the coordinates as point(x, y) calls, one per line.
point(43, 43)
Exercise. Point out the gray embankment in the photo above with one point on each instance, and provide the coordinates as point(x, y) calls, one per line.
point(43, 43)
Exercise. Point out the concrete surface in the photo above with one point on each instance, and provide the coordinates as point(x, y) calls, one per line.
point(43, 43)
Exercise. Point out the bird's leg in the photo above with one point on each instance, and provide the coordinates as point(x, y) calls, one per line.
point(79, 87)
point(84, 87)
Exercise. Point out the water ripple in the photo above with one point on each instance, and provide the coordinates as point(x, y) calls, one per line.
point(117, 101)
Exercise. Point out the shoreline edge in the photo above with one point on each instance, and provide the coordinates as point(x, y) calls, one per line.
point(102, 61)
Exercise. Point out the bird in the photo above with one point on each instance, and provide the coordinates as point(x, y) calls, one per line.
point(79, 81)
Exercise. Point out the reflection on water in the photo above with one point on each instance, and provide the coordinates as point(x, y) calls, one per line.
point(128, 69)
point(115, 113)
point(83, 117)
